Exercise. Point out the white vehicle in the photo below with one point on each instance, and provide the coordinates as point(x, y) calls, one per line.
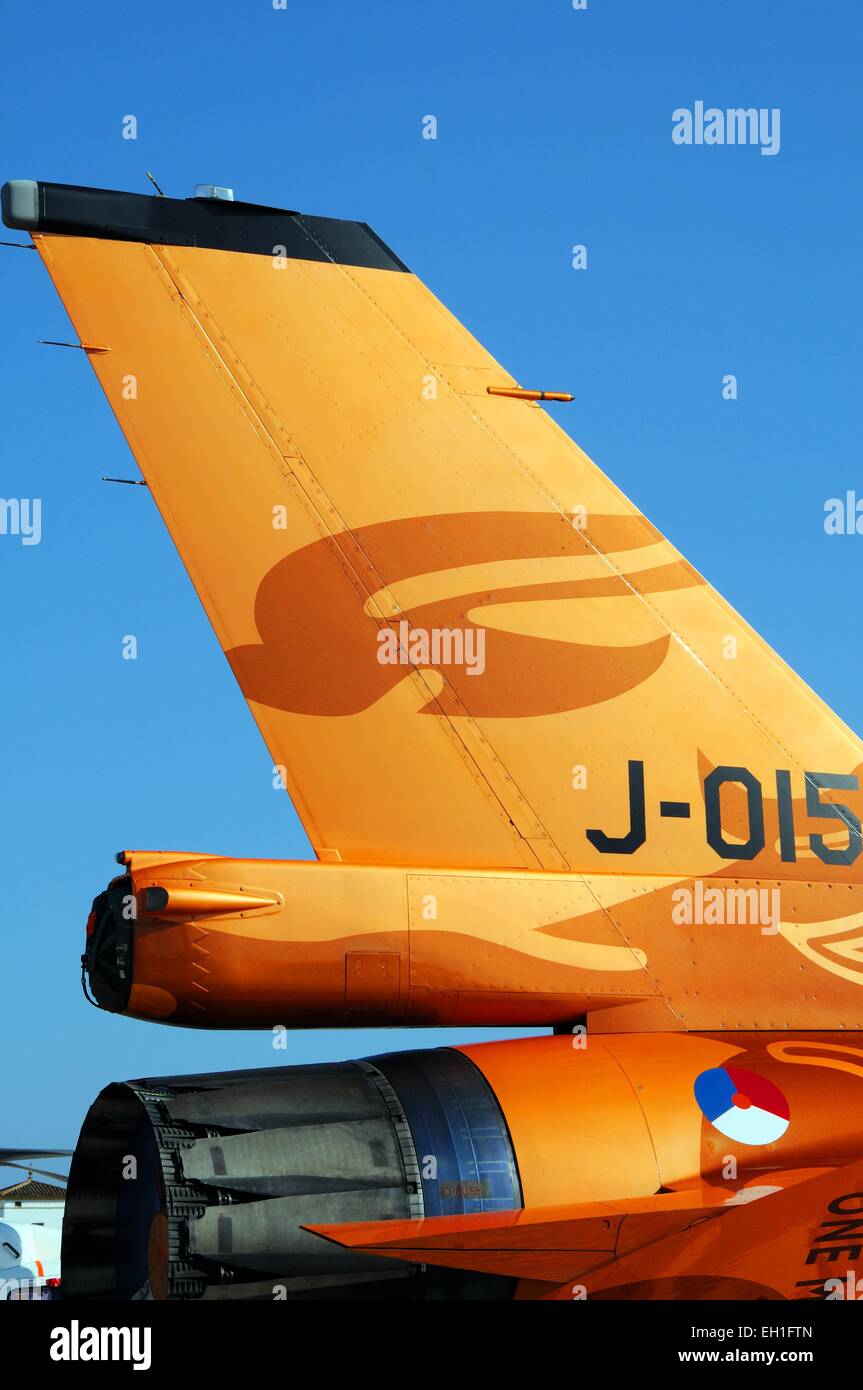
point(30, 1229)
point(29, 1261)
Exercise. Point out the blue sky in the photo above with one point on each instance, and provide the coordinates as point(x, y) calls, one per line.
point(554, 129)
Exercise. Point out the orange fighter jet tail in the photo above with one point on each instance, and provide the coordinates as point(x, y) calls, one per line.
point(465, 648)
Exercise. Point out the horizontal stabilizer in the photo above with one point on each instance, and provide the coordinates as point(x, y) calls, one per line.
point(557, 1245)
point(539, 1243)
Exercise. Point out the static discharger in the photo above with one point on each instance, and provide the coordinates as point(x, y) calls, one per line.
point(520, 393)
point(84, 347)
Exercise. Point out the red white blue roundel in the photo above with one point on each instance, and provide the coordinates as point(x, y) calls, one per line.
point(742, 1105)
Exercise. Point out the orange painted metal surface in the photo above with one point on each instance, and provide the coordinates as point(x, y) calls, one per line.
point(543, 1243)
point(322, 494)
point(603, 1115)
point(247, 943)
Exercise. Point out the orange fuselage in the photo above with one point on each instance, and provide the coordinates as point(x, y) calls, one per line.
point(224, 943)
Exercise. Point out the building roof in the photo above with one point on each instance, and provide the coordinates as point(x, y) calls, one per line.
point(29, 1190)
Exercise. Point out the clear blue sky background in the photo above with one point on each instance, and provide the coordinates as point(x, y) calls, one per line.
point(554, 129)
